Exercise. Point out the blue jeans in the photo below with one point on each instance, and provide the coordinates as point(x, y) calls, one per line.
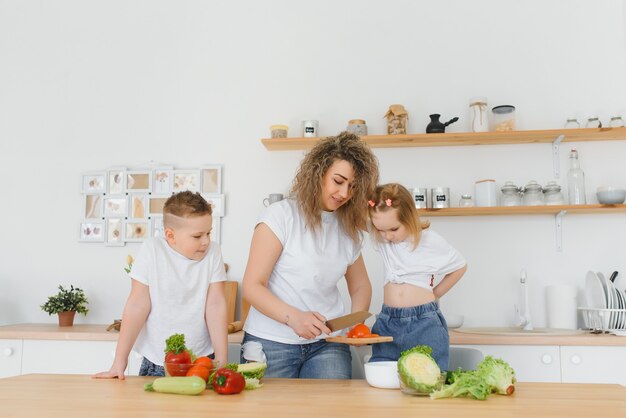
point(415, 325)
point(318, 360)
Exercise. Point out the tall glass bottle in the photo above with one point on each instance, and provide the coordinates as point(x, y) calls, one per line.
point(575, 181)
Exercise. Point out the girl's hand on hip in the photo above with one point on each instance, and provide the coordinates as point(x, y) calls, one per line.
point(308, 324)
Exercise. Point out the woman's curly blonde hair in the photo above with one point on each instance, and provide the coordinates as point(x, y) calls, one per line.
point(307, 185)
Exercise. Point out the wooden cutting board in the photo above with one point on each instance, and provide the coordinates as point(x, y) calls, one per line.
point(359, 341)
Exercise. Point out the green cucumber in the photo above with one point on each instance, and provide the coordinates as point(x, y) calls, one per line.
point(180, 385)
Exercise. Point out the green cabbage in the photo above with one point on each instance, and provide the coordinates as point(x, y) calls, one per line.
point(418, 370)
point(498, 374)
point(464, 385)
point(254, 370)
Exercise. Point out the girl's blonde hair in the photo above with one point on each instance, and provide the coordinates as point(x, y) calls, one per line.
point(396, 196)
point(307, 185)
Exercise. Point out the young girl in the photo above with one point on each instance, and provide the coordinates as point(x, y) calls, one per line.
point(412, 255)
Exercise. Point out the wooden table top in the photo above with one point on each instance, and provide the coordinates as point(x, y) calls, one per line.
point(67, 396)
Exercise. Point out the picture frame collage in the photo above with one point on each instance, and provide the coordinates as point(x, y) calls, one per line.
point(121, 205)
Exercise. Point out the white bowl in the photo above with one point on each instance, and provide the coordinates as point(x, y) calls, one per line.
point(454, 321)
point(608, 195)
point(382, 374)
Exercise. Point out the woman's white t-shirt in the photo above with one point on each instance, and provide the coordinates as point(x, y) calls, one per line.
point(308, 269)
point(178, 290)
point(433, 256)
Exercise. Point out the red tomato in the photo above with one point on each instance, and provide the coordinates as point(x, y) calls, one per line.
point(200, 371)
point(358, 331)
point(204, 361)
point(177, 364)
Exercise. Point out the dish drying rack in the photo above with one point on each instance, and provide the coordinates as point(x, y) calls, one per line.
point(604, 319)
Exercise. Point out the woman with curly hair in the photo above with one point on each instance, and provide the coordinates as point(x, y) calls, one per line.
point(301, 248)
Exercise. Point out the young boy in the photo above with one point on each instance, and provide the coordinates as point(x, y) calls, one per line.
point(177, 288)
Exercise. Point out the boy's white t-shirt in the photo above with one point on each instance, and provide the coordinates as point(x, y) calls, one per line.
point(307, 272)
point(178, 291)
point(433, 256)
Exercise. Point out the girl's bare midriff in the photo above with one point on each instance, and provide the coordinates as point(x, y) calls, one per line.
point(403, 295)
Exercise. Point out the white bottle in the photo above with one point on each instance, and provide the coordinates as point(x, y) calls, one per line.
point(575, 181)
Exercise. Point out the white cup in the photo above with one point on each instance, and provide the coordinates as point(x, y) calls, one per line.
point(485, 193)
point(272, 198)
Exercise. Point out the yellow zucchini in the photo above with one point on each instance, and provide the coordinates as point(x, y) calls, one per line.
point(180, 385)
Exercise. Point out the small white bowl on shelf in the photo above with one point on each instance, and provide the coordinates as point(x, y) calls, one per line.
point(609, 195)
point(382, 374)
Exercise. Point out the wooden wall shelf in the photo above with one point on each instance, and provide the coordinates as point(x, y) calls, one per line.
point(523, 210)
point(461, 138)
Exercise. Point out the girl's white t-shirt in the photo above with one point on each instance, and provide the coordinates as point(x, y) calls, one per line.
point(433, 256)
point(308, 269)
point(178, 290)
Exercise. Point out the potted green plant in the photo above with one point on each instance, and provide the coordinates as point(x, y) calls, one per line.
point(66, 303)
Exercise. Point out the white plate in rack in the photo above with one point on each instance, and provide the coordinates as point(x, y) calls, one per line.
point(610, 298)
point(594, 291)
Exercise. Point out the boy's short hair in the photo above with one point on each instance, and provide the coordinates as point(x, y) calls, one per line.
point(186, 204)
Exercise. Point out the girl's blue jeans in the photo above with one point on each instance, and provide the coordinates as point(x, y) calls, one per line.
point(415, 325)
point(317, 360)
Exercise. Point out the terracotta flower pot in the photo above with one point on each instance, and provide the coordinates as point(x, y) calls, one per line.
point(66, 319)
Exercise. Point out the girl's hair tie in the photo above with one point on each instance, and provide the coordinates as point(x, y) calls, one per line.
point(388, 202)
point(371, 203)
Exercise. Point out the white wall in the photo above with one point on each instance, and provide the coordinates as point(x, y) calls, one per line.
point(85, 85)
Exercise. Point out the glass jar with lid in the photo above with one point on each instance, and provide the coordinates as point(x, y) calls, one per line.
point(572, 123)
point(616, 122)
point(533, 194)
point(593, 122)
point(503, 118)
point(510, 195)
point(357, 127)
point(552, 194)
point(466, 201)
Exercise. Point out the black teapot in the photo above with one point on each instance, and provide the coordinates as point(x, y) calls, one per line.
point(436, 126)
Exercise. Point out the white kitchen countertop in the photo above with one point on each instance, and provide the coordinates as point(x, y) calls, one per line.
point(98, 332)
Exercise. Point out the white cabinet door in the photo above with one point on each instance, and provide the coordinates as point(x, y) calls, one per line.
point(10, 358)
point(593, 364)
point(532, 363)
point(67, 357)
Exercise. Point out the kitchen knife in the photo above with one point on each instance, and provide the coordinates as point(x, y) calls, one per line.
point(347, 320)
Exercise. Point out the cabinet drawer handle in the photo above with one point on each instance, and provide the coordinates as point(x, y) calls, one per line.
point(546, 359)
point(576, 359)
point(8, 352)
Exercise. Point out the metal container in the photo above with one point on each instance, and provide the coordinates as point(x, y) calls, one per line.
point(440, 197)
point(420, 197)
point(310, 128)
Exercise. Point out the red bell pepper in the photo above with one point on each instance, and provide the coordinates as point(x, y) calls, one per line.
point(228, 382)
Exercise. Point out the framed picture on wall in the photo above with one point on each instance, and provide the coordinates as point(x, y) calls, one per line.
point(92, 206)
point(114, 232)
point(116, 184)
point(212, 178)
point(91, 231)
point(115, 206)
point(137, 230)
point(155, 204)
point(156, 227)
point(138, 181)
point(162, 178)
point(94, 182)
point(217, 203)
point(138, 205)
point(186, 180)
